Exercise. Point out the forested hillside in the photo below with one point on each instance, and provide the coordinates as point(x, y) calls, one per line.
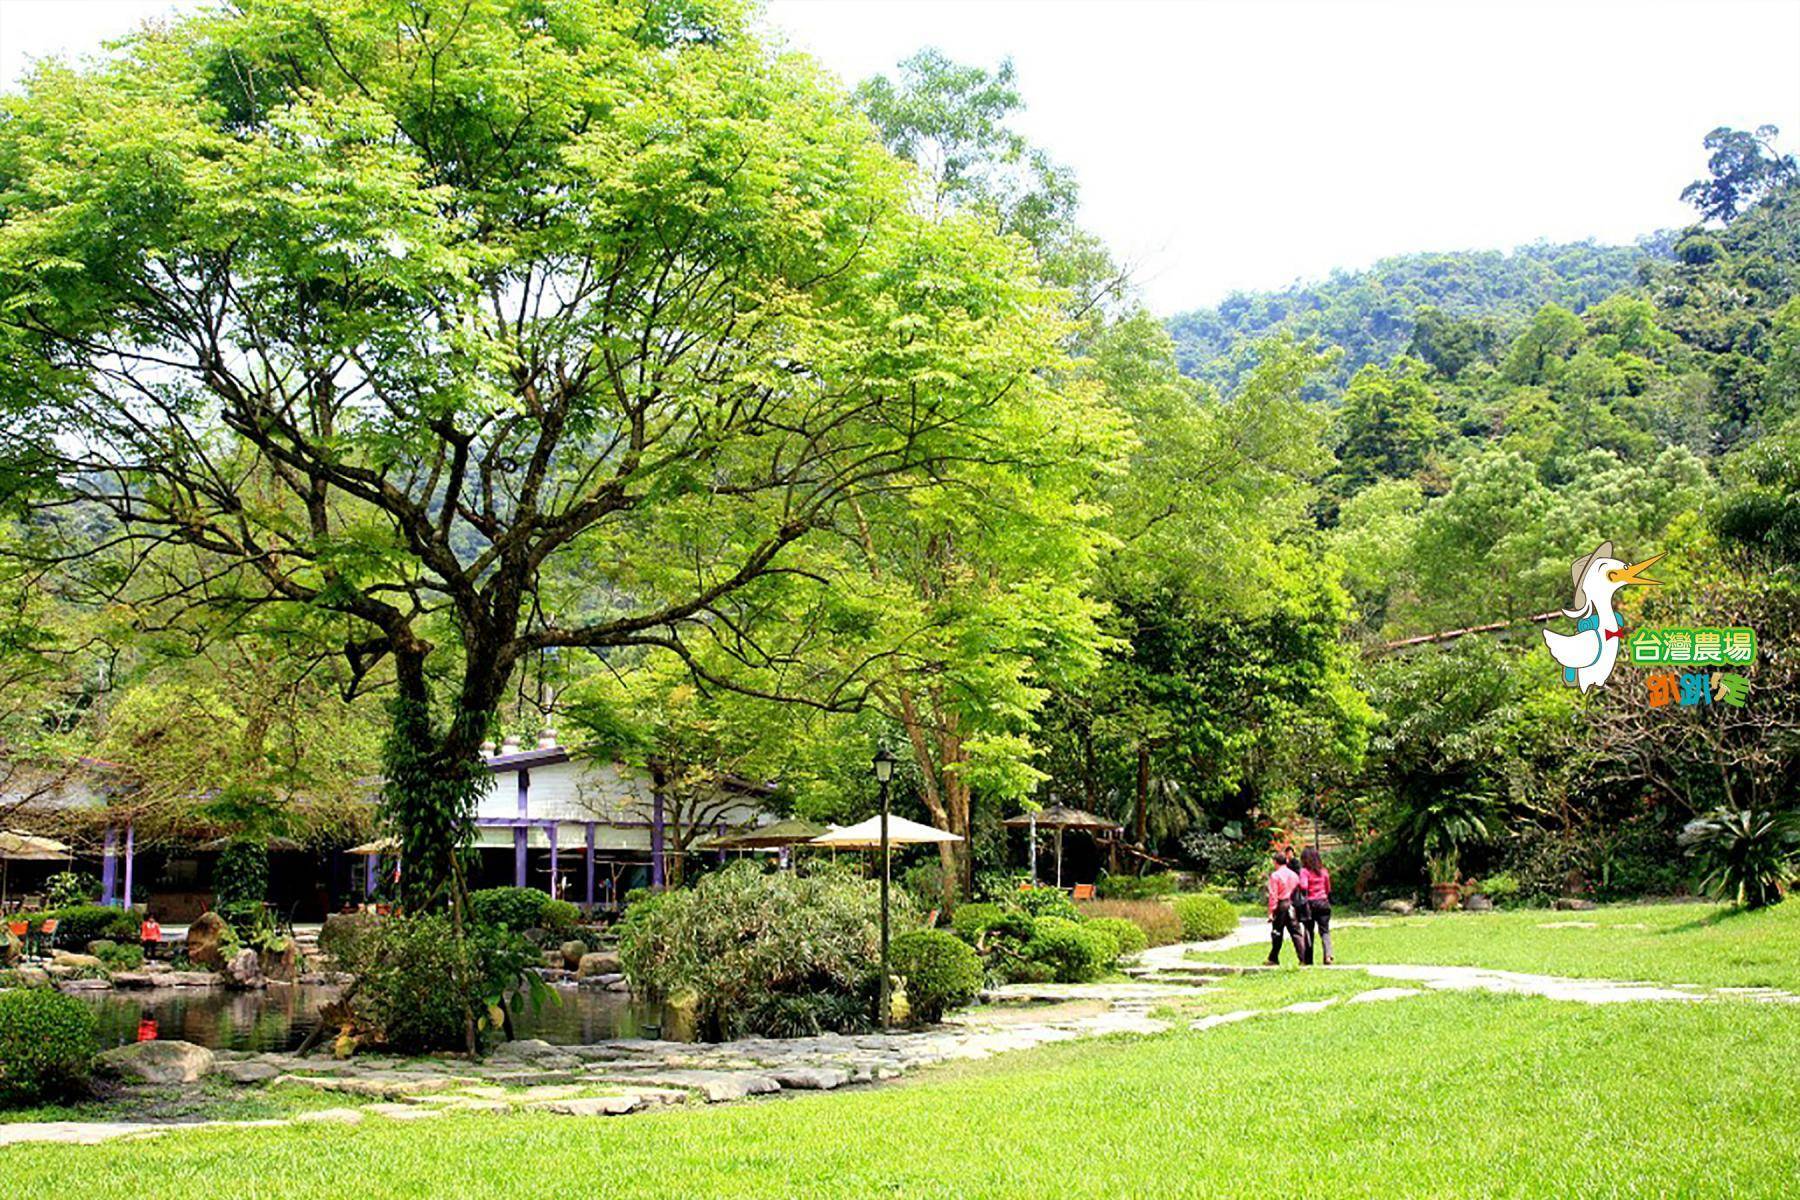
point(1371, 315)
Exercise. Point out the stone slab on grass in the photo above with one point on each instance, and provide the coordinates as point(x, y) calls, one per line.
point(718, 1087)
point(387, 1086)
point(159, 1062)
point(819, 1079)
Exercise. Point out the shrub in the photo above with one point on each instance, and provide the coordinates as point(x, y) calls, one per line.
point(971, 920)
point(739, 936)
point(1205, 917)
point(241, 874)
point(1500, 887)
point(1136, 887)
point(1047, 902)
point(1074, 952)
point(1222, 858)
point(1130, 938)
point(1749, 857)
point(560, 917)
point(1160, 925)
point(514, 908)
point(807, 1015)
point(76, 927)
point(71, 889)
point(341, 933)
point(118, 956)
point(1547, 864)
point(940, 970)
point(47, 1045)
point(418, 985)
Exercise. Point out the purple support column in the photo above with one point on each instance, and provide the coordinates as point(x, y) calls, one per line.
point(553, 860)
point(369, 876)
point(130, 857)
point(656, 841)
point(519, 831)
point(590, 866)
point(109, 866)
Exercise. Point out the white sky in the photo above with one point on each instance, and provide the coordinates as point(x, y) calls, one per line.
point(1227, 145)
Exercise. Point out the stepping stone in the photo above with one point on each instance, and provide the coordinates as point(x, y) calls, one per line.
point(719, 1087)
point(404, 1112)
point(246, 1072)
point(385, 1086)
point(1242, 1014)
point(1388, 993)
point(822, 1079)
point(1309, 1006)
point(593, 1106)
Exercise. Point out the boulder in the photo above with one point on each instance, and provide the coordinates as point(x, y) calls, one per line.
point(600, 962)
point(246, 1072)
point(159, 1062)
point(1477, 903)
point(33, 977)
point(572, 954)
point(133, 979)
point(10, 950)
point(205, 939)
point(1572, 904)
point(281, 965)
point(1400, 908)
point(67, 958)
point(85, 985)
point(245, 970)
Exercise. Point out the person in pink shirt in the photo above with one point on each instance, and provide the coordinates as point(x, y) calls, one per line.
point(1283, 883)
point(1315, 885)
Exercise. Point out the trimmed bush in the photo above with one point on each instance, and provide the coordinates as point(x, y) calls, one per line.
point(1160, 925)
point(940, 970)
point(1135, 887)
point(514, 908)
point(1047, 902)
point(1074, 952)
point(971, 920)
point(560, 917)
point(1204, 917)
point(1130, 938)
point(47, 1045)
point(418, 986)
point(76, 927)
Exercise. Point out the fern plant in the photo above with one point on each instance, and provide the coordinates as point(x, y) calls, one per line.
point(1749, 857)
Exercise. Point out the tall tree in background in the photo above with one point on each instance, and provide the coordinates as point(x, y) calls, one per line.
point(468, 331)
point(1744, 166)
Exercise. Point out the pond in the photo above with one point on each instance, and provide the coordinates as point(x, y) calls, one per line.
point(281, 1017)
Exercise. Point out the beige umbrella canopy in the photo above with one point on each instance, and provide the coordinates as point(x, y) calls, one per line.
point(26, 847)
point(386, 845)
point(1059, 817)
point(866, 835)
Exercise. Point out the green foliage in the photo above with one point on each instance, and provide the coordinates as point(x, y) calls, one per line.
point(117, 956)
point(71, 889)
point(940, 970)
point(1135, 887)
point(1046, 902)
point(560, 917)
point(1074, 951)
point(47, 1046)
point(789, 1015)
point(517, 909)
point(1131, 938)
point(813, 934)
point(241, 874)
point(972, 919)
point(76, 927)
point(1155, 918)
point(1204, 916)
point(422, 988)
point(1749, 858)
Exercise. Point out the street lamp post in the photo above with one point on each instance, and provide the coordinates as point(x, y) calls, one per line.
point(884, 771)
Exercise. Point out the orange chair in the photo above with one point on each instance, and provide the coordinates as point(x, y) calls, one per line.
point(1084, 891)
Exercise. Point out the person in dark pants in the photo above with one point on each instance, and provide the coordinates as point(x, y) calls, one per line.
point(1283, 883)
point(1315, 885)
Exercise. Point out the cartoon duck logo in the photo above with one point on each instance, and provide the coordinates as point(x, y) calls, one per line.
point(1588, 655)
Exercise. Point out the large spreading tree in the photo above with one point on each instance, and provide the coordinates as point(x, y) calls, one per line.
point(454, 333)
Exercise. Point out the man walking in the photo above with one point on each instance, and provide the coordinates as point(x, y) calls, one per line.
point(1282, 917)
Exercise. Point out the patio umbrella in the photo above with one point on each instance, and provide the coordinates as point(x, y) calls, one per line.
point(1058, 817)
point(866, 835)
point(791, 832)
point(376, 848)
point(25, 847)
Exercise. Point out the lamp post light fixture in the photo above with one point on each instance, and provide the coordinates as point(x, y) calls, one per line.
point(884, 771)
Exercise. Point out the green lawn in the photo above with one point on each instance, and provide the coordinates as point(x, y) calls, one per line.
point(1445, 1094)
point(1662, 943)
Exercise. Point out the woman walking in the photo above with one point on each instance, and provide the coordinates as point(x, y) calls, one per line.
point(1315, 885)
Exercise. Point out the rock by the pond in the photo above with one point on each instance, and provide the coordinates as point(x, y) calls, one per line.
point(600, 962)
point(280, 965)
point(85, 985)
point(188, 979)
point(33, 977)
point(246, 1072)
point(1477, 903)
point(1571, 904)
point(10, 950)
point(1400, 908)
point(245, 970)
point(160, 1062)
point(204, 938)
point(68, 958)
point(133, 979)
point(572, 954)
point(538, 1053)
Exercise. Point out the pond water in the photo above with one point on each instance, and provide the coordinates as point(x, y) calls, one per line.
point(281, 1017)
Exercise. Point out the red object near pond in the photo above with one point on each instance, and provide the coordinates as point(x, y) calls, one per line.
point(147, 1030)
